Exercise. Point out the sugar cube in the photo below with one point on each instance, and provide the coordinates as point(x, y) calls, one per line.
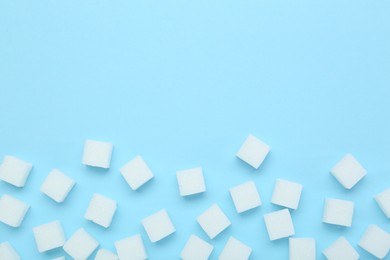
point(245, 196)
point(302, 249)
point(190, 181)
point(97, 154)
point(196, 249)
point(376, 241)
point(213, 221)
point(253, 151)
point(341, 249)
point(7, 252)
point(158, 226)
point(131, 248)
point(338, 212)
point(383, 200)
point(57, 185)
point(80, 245)
point(101, 210)
point(59, 258)
point(286, 194)
point(348, 171)
point(14, 171)
point(279, 224)
point(136, 172)
point(235, 249)
point(12, 210)
point(49, 236)
point(104, 254)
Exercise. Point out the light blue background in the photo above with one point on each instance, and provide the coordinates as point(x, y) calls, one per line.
point(182, 83)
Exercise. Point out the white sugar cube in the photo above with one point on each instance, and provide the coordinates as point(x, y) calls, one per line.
point(12, 210)
point(7, 252)
point(341, 249)
point(245, 196)
point(136, 172)
point(158, 226)
point(338, 212)
point(190, 181)
point(101, 210)
point(49, 236)
point(279, 224)
point(97, 154)
point(131, 248)
point(59, 258)
point(287, 194)
point(14, 171)
point(376, 241)
point(80, 245)
point(253, 151)
point(196, 249)
point(302, 249)
point(213, 221)
point(235, 249)
point(57, 185)
point(348, 171)
point(104, 254)
point(383, 200)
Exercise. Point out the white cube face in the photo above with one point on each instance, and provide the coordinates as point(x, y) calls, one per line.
point(338, 212)
point(12, 210)
point(279, 224)
point(341, 249)
point(348, 171)
point(59, 258)
point(235, 249)
point(196, 249)
point(302, 249)
point(376, 241)
point(158, 226)
point(383, 200)
point(97, 154)
point(7, 252)
point(191, 181)
point(287, 194)
point(49, 236)
point(104, 254)
point(136, 173)
point(213, 221)
point(253, 151)
point(15, 171)
point(80, 245)
point(131, 248)
point(101, 210)
point(245, 196)
point(57, 186)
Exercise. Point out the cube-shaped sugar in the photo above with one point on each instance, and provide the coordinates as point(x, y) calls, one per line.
point(12, 210)
point(302, 249)
point(80, 245)
point(235, 249)
point(57, 185)
point(190, 181)
point(7, 252)
point(131, 248)
point(101, 210)
point(158, 226)
point(136, 172)
point(196, 249)
point(49, 236)
point(341, 249)
point(279, 224)
point(245, 196)
point(59, 258)
point(97, 154)
point(338, 212)
point(213, 221)
point(286, 194)
point(383, 200)
point(348, 171)
point(253, 151)
point(104, 254)
point(376, 241)
point(14, 171)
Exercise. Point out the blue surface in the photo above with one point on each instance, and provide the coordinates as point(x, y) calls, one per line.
point(182, 83)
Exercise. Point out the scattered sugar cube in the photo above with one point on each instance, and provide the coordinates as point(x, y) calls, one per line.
point(279, 224)
point(59, 258)
point(131, 248)
point(57, 186)
point(158, 226)
point(383, 200)
point(190, 181)
point(338, 212)
point(213, 221)
point(136, 172)
point(235, 249)
point(302, 249)
point(245, 196)
point(286, 194)
point(80, 245)
point(14, 171)
point(97, 154)
point(101, 210)
point(196, 249)
point(376, 241)
point(49, 236)
point(348, 171)
point(104, 254)
point(253, 151)
point(12, 210)
point(7, 252)
point(341, 249)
